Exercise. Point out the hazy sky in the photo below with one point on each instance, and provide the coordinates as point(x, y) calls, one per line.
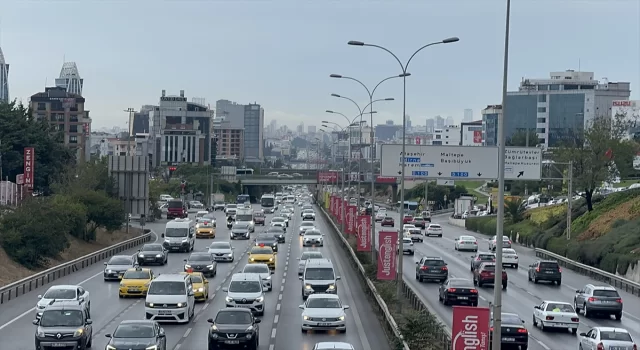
point(280, 53)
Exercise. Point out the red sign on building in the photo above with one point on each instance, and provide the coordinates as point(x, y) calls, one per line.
point(363, 233)
point(352, 212)
point(477, 136)
point(470, 328)
point(328, 176)
point(385, 180)
point(29, 159)
point(387, 255)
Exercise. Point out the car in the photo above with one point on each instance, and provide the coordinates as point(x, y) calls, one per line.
point(407, 219)
point(312, 238)
point(506, 243)
point(509, 257)
point(306, 225)
point(324, 312)
point(262, 254)
point(135, 282)
point(387, 221)
point(143, 333)
point(234, 326)
point(201, 214)
point(219, 205)
point(245, 291)
point(200, 286)
point(230, 209)
point(513, 332)
point(556, 314)
point(239, 231)
point(607, 338)
point(306, 207)
point(116, 266)
point(152, 253)
point(545, 270)
point(64, 324)
point(268, 240)
point(592, 299)
point(259, 218)
point(175, 290)
point(221, 251)
point(286, 213)
point(205, 228)
point(277, 232)
point(318, 277)
point(407, 246)
point(380, 216)
point(308, 214)
point(265, 274)
point(458, 291)
point(201, 262)
point(333, 345)
point(481, 257)
point(468, 243)
point(306, 255)
point(433, 230)
point(60, 293)
point(419, 221)
point(432, 268)
point(279, 221)
point(485, 274)
point(410, 231)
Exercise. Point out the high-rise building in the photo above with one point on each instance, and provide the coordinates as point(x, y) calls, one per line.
point(440, 122)
point(70, 79)
point(387, 131)
point(468, 115)
point(490, 117)
point(64, 111)
point(300, 128)
point(4, 79)
point(311, 129)
point(408, 122)
point(250, 118)
point(141, 120)
point(430, 125)
point(449, 121)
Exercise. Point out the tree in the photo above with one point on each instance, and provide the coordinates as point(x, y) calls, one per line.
point(18, 129)
point(523, 138)
point(514, 210)
point(102, 211)
point(599, 154)
point(92, 175)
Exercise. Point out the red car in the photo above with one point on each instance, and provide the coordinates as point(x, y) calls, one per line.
point(407, 219)
point(485, 274)
point(387, 221)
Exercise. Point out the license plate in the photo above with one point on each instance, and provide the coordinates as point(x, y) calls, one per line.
point(150, 259)
point(164, 312)
point(134, 289)
point(232, 342)
point(244, 306)
point(58, 345)
point(324, 324)
point(463, 298)
point(175, 248)
point(549, 271)
point(509, 339)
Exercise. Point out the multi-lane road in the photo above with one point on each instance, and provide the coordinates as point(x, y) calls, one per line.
point(521, 295)
point(280, 328)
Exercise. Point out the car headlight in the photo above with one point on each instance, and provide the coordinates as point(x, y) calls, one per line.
point(252, 259)
point(341, 318)
point(40, 333)
point(152, 347)
point(306, 318)
point(214, 328)
point(180, 305)
point(166, 241)
point(260, 299)
point(228, 299)
point(268, 278)
point(184, 240)
point(307, 286)
point(332, 286)
point(270, 259)
point(121, 284)
point(210, 267)
point(109, 347)
point(109, 271)
point(78, 332)
point(141, 255)
point(187, 266)
point(230, 254)
point(201, 289)
point(158, 255)
point(149, 305)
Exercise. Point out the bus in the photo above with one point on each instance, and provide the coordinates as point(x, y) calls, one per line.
point(243, 198)
point(268, 201)
point(244, 171)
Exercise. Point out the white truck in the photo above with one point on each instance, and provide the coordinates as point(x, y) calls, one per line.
point(245, 216)
point(462, 205)
point(217, 201)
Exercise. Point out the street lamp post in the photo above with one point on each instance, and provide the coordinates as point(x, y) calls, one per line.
point(404, 68)
point(371, 154)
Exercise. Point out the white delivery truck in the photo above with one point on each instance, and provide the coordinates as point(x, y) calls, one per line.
point(245, 216)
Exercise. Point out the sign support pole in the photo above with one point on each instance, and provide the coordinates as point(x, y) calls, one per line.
point(569, 198)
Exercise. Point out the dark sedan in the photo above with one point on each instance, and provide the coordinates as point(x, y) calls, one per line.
point(152, 253)
point(277, 232)
point(458, 291)
point(116, 266)
point(268, 240)
point(201, 262)
point(143, 334)
point(513, 332)
point(235, 327)
point(387, 221)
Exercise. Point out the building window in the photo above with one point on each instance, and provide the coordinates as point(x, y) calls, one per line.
point(554, 87)
point(542, 120)
point(73, 139)
point(542, 109)
point(542, 98)
point(73, 118)
point(571, 87)
point(42, 106)
point(73, 128)
point(543, 87)
point(541, 130)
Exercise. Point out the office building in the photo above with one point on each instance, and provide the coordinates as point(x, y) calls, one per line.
point(448, 136)
point(471, 133)
point(429, 125)
point(311, 129)
point(490, 117)
point(449, 121)
point(387, 131)
point(65, 112)
point(4, 79)
point(300, 128)
point(141, 120)
point(468, 115)
point(230, 142)
point(181, 131)
point(250, 118)
point(558, 108)
point(70, 79)
point(408, 124)
point(230, 111)
point(439, 122)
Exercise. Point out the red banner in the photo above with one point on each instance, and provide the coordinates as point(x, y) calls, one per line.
point(387, 255)
point(385, 180)
point(470, 328)
point(331, 201)
point(477, 136)
point(342, 207)
point(352, 212)
point(364, 233)
point(29, 159)
point(328, 176)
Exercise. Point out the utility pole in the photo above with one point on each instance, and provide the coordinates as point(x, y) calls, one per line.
point(130, 110)
point(426, 196)
point(569, 198)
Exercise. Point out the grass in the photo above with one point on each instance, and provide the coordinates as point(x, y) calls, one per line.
point(471, 187)
point(625, 183)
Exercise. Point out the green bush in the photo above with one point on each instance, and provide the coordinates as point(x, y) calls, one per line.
point(604, 204)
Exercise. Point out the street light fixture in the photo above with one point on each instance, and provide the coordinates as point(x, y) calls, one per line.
point(404, 68)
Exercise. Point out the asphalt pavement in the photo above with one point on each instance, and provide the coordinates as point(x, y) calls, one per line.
point(521, 295)
point(280, 327)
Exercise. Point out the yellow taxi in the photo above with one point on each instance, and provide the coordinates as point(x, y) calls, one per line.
point(200, 285)
point(262, 254)
point(135, 282)
point(205, 229)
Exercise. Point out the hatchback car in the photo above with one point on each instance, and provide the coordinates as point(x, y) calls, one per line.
point(434, 230)
point(485, 274)
point(144, 333)
point(387, 221)
point(592, 299)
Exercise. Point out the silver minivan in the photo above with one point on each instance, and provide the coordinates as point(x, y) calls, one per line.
point(245, 290)
point(170, 298)
point(318, 277)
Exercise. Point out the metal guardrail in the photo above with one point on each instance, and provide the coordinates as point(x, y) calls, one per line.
point(40, 279)
point(627, 285)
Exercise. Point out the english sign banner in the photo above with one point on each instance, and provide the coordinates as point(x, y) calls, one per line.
point(387, 255)
point(363, 234)
point(352, 212)
point(470, 329)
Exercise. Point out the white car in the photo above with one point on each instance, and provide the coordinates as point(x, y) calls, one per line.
point(407, 246)
point(265, 274)
point(313, 237)
point(306, 255)
point(221, 251)
point(509, 257)
point(434, 230)
point(380, 215)
point(506, 243)
point(165, 197)
point(324, 311)
point(556, 314)
point(468, 243)
point(306, 225)
point(333, 345)
point(279, 221)
point(607, 338)
point(62, 292)
point(309, 215)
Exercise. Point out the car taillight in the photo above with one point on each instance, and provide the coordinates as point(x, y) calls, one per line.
point(478, 258)
point(600, 346)
point(549, 318)
point(474, 291)
point(445, 269)
point(537, 269)
point(509, 242)
point(575, 319)
point(451, 290)
point(424, 267)
point(476, 243)
point(522, 330)
point(491, 329)
point(619, 301)
point(559, 270)
point(592, 299)
point(635, 347)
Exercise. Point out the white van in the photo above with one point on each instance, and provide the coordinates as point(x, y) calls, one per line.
point(170, 298)
point(179, 235)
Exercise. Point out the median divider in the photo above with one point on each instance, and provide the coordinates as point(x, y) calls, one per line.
point(627, 285)
point(48, 276)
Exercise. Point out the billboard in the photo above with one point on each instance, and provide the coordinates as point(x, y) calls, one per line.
point(328, 176)
point(29, 159)
point(385, 180)
point(631, 110)
point(364, 229)
point(471, 328)
point(352, 212)
point(387, 255)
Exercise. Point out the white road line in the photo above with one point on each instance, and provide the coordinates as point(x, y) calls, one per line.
point(273, 333)
point(217, 288)
point(212, 296)
point(276, 318)
point(482, 298)
point(197, 317)
point(186, 334)
point(272, 347)
point(205, 306)
point(283, 281)
point(177, 346)
point(284, 274)
point(278, 307)
point(542, 344)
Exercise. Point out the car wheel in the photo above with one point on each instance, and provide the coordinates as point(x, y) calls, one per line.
point(535, 323)
point(90, 341)
point(515, 266)
point(618, 316)
point(575, 306)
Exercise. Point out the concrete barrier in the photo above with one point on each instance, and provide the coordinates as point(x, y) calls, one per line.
point(457, 222)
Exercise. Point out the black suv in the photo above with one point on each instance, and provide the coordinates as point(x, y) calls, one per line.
point(144, 333)
point(64, 324)
point(153, 253)
point(432, 268)
point(234, 327)
point(545, 270)
point(201, 262)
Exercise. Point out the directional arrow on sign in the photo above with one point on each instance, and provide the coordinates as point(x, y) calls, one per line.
point(479, 174)
point(520, 173)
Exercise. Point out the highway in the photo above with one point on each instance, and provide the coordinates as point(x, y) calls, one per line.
point(520, 296)
point(280, 327)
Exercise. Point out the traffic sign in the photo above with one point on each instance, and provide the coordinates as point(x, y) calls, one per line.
point(441, 182)
point(440, 162)
point(523, 163)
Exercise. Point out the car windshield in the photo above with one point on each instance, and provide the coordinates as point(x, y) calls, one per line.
point(231, 206)
point(486, 257)
point(461, 283)
point(240, 226)
point(175, 204)
point(407, 240)
point(119, 260)
point(307, 211)
point(233, 317)
point(261, 250)
point(311, 255)
point(605, 293)
point(316, 273)
point(508, 251)
point(176, 232)
point(278, 219)
point(418, 219)
point(467, 238)
point(245, 287)
point(134, 331)
point(196, 278)
point(616, 336)
point(62, 318)
point(434, 226)
point(558, 307)
point(313, 233)
point(388, 218)
point(489, 267)
point(275, 230)
point(137, 275)
point(60, 294)
point(511, 319)
point(220, 245)
point(549, 265)
point(255, 268)
point(307, 224)
point(434, 263)
point(152, 248)
point(323, 303)
point(167, 288)
point(205, 223)
point(200, 257)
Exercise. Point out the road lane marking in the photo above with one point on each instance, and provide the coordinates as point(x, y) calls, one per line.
point(276, 318)
point(186, 334)
point(278, 307)
point(273, 333)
